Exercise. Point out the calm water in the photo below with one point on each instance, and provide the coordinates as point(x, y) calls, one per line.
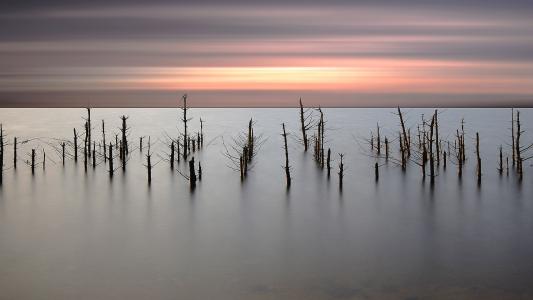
point(65, 234)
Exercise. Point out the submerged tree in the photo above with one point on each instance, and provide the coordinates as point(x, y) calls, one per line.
point(287, 167)
point(243, 149)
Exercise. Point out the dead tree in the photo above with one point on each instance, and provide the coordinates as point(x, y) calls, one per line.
point(63, 153)
point(32, 161)
point(437, 141)
point(243, 149)
point(186, 145)
point(287, 167)
point(329, 162)
point(199, 171)
point(1, 153)
point(341, 170)
point(111, 170)
point(192, 174)
point(44, 160)
point(386, 149)
point(202, 132)
point(94, 155)
point(376, 171)
point(14, 153)
point(431, 154)
point(88, 130)
point(75, 146)
point(124, 142)
point(518, 147)
point(378, 141)
point(304, 126)
point(500, 168)
point(512, 136)
point(478, 159)
point(103, 140)
point(141, 144)
point(406, 140)
point(149, 163)
point(172, 155)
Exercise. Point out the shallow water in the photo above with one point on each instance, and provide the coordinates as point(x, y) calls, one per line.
point(65, 234)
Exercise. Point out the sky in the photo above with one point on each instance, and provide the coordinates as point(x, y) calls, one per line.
point(266, 53)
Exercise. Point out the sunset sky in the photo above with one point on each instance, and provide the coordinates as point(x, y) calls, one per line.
point(266, 53)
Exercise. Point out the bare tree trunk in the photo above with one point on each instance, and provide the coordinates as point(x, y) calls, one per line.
point(287, 167)
point(517, 145)
point(329, 162)
point(185, 134)
point(378, 141)
point(386, 149)
point(44, 160)
point(75, 146)
point(172, 155)
point(124, 144)
point(376, 170)
point(512, 136)
point(63, 153)
point(437, 141)
point(406, 141)
point(1, 153)
point(341, 171)
point(89, 130)
point(500, 169)
point(32, 161)
point(15, 153)
point(103, 140)
point(111, 170)
point(199, 171)
point(478, 159)
point(302, 121)
point(94, 155)
point(192, 175)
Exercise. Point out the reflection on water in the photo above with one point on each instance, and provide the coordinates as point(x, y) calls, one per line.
point(65, 234)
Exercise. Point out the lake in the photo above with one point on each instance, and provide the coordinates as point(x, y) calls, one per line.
point(70, 234)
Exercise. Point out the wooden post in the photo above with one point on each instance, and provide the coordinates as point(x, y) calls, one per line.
point(302, 124)
point(287, 167)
